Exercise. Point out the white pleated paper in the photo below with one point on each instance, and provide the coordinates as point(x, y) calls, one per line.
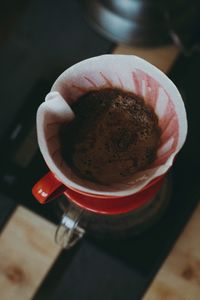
point(130, 73)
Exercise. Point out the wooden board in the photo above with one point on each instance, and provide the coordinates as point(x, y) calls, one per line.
point(179, 277)
point(27, 251)
point(161, 57)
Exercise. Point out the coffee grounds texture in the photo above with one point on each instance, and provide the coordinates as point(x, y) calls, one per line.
point(114, 135)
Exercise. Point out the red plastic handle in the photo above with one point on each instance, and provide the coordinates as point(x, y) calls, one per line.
point(48, 188)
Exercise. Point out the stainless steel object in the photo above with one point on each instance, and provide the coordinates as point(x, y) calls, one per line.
point(146, 22)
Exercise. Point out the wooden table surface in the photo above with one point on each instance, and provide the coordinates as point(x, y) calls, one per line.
point(179, 276)
point(28, 250)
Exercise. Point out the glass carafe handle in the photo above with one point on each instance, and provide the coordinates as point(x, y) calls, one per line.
point(69, 232)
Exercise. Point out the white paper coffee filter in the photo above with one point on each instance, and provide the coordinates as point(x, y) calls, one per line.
point(130, 73)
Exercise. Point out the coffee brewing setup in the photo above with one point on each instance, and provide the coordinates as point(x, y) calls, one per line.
point(120, 202)
point(29, 47)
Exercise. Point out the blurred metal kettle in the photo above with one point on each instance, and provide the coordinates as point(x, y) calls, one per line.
point(146, 22)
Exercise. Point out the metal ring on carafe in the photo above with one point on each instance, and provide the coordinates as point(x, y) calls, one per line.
point(68, 233)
